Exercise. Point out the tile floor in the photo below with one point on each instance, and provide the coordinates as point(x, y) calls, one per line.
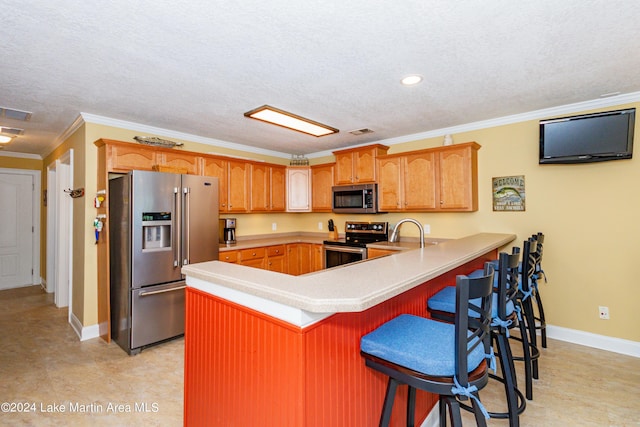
point(44, 368)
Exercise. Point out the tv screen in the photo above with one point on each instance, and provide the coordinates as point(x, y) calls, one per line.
point(587, 138)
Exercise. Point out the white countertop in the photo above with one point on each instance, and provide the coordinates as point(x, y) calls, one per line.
point(349, 288)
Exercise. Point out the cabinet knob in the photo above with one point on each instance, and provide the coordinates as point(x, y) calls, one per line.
point(253, 254)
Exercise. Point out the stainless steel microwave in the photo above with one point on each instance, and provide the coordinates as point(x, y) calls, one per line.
point(357, 198)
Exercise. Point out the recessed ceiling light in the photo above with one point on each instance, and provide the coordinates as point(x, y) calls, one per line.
point(411, 80)
point(4, 139)
point(291, 121)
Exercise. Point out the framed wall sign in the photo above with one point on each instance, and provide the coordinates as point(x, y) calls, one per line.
point(508, 193)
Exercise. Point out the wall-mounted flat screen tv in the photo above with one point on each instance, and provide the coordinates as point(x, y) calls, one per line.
point(588, 138)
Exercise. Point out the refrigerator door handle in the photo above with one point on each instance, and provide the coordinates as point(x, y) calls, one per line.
point(176, 232)
point(146, 294)
point(186, 214)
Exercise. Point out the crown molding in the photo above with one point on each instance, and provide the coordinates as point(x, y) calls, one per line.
point(101, 120)
point(506, 120)
point(20, 155)
point(483, 124)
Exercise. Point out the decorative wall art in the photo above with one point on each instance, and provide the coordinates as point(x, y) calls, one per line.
point(508, 193)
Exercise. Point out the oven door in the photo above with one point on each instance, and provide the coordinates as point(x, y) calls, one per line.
point(340, 255)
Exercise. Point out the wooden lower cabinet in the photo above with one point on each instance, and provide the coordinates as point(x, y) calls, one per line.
point(254, 257)
point(292, 258)
point(228, 256)
point(304, 258)
point(374, 253)
point(277, 258)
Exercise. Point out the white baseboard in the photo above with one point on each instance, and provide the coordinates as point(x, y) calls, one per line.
point(617, 345)
point(84, 332)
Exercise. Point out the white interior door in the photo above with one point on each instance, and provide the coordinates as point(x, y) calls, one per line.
point(16, 230)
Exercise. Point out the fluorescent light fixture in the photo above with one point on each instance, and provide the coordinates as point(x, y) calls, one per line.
point(291, 121)
point(411, 80)
point(4, 139)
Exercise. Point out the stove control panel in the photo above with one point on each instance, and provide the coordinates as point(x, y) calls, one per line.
point(366, 227)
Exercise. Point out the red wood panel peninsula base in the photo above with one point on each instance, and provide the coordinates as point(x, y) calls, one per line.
point(245, 368)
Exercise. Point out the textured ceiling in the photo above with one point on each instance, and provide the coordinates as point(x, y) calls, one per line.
point(196, 66)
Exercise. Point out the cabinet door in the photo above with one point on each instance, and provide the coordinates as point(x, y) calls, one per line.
point(305, 254)
point(277, 189)
point(293, 259)
point(364, 165)
point(457, 179)
point(238, 179)
point(321, 183)
point(316, 258)
point(420, 182)
point(213, 166)
point(298, 189)
point(259, 188)
point(390, 184)
point(127, 157)
point(375, 253)
point(182, 162)
point(344, 168)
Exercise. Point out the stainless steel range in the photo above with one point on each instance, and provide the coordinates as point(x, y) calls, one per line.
point(354, 247)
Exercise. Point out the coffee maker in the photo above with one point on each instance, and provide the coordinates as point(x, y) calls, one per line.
point(227, 230)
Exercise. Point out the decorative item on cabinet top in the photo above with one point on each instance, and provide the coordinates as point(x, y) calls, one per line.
point(158, 142)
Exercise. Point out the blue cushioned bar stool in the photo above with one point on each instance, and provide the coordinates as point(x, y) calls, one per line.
point(504, 317)
point(438, 357)
point(531, 354)
point(541, 323)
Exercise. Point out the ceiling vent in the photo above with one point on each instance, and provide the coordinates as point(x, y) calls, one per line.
point(360, 131)
point(9, 113)
point(11, 131)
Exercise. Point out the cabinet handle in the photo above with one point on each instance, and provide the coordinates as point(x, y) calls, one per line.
point(253, 254)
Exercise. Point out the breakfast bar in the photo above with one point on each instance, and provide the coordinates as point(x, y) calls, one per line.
point(266, 348)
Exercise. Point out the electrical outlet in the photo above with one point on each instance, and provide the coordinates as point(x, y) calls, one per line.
point(320, 225)
point(604, 312)
point(427, 228)
point(274, 226)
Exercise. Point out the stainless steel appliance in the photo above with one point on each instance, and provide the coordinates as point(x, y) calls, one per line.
point(227, 230)
point(357, 198)
point(354, 246)
point(158, 222)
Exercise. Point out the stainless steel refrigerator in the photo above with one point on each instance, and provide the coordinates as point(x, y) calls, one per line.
point(158, 222)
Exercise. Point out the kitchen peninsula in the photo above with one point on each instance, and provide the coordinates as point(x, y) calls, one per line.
point(265, 348)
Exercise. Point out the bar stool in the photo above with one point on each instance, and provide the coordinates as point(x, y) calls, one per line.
point(442, 358)
point(530, 350)
point(504, 317)
point(541, 323)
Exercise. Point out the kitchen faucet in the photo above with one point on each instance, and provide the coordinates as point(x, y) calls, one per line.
point(396, 231)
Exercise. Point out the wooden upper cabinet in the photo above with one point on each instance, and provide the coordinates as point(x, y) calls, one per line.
point(278, 188)
point(458, 169)
point(218, 167)
point(267, 187)
point(298, 189)
point(321, 183)
point(259, 187)
point(435, 179)
point(125, 157)
point(238, 184)
point(420, 181)
point(390, 185)
point(181, 162)
point(357, 165)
